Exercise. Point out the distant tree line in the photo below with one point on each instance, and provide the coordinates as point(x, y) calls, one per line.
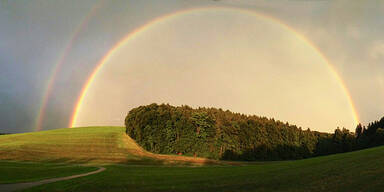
point(218, 134)
point(371, 135)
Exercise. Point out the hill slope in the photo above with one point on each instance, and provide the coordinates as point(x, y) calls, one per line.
point(87, 144)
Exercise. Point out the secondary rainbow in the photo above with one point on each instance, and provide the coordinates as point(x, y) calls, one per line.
point(157, 20)
point(60, 62)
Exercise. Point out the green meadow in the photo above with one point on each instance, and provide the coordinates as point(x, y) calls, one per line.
point(58, 153)
point(16, 172)
point(356, 171)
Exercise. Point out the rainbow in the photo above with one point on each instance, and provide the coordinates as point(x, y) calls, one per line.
point(160, 19)
point(60, 62)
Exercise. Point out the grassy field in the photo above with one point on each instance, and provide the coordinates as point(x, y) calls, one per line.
point(130, 168)
point(356, 171)
point(16, 172)
point(105, 144)
point(84, 145)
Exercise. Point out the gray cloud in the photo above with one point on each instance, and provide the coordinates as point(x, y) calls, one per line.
point(35, 33)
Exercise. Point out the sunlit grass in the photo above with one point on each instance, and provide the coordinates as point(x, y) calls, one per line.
point(84, 145)
point(100, 144)
point(130, 168)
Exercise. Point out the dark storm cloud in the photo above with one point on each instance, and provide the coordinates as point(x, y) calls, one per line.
point(31, 37)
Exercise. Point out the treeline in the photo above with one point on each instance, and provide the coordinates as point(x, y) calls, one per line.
point(218, 134)
point(370, 136)
point(345, 141)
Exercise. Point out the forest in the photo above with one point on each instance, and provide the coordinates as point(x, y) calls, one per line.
point(225, 135)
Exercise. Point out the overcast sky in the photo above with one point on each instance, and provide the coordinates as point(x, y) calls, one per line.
point(34, 36)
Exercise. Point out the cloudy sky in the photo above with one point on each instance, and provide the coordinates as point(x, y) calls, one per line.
point(48, 49)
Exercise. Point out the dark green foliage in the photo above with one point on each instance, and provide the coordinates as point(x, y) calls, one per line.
point(218, 134)
point(359, 130)
point(372, 135)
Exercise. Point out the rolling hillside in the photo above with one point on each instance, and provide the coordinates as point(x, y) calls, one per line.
point(354, 171)
point(87, 144)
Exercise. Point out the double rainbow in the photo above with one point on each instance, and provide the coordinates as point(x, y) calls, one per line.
point(60, 62)
point(150, 24)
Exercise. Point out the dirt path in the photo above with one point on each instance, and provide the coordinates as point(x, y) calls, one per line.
point(19, 186)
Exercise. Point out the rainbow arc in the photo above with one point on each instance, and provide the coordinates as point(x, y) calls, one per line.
point(133, 34)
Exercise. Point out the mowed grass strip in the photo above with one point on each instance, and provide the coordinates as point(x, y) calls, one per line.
point(104, 144)
point(355, 171)
point(85, 145)
point(17, 172)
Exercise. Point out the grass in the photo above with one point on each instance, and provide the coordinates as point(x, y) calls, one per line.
point(84, 145)
point(130, 168)
point(16, 172)
point(104, 144)
point(356, 171)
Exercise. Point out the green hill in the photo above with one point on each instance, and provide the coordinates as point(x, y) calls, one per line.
point(87, 144)
point(123, 158)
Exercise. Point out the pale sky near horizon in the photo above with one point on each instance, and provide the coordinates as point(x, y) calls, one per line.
point(35, 34)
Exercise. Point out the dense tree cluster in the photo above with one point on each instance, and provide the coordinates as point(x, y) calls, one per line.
point(370, 136)
point(219, 134)
point(345, 141)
